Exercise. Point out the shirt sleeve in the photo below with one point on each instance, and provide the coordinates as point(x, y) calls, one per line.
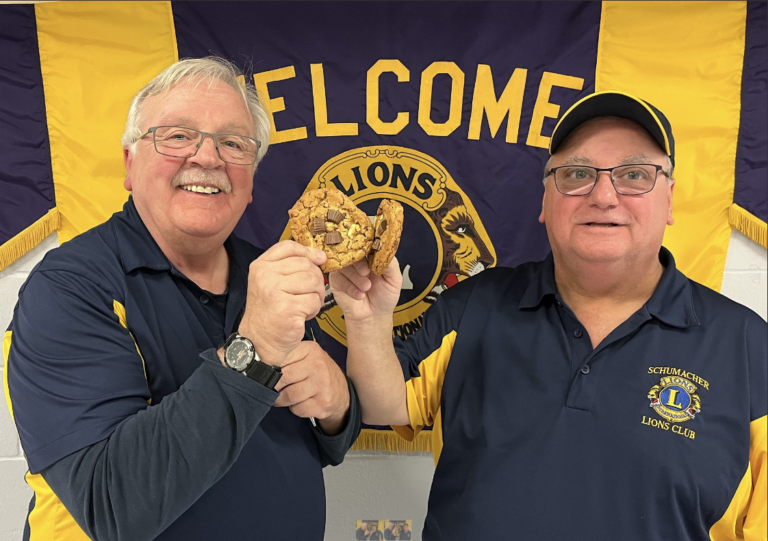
point(746, 517)
point(333, 448)
point(152, 468)
point(123, 468)
point(756, 519)
point(74, 372)
point(425, 356)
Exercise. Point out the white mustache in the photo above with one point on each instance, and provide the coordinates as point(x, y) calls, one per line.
point(202, 177)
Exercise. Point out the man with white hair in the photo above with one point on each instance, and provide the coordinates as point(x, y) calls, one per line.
point(145, 356)
point(598, 394)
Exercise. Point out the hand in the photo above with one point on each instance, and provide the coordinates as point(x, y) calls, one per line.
point(313, 385)
point(285, 289)
point(362, 294)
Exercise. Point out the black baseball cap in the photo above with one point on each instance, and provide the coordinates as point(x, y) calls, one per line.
point(621, 104)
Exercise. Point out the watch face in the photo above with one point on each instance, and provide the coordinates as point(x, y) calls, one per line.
point(239, 355)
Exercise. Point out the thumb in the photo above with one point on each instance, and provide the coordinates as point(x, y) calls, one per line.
point(318, 257)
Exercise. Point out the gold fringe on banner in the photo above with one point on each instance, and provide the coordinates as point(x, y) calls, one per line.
point(385, 440)
point(747, 223)
point(22, 243)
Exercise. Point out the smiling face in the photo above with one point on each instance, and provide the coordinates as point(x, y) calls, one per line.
point(170, 193)
point(605, 227)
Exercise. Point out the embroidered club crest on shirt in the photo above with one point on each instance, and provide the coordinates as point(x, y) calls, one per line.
point(675, 399)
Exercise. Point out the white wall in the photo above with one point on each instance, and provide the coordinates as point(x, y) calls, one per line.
point(367, 485)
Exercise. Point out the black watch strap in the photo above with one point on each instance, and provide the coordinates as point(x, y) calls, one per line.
point(262, 373)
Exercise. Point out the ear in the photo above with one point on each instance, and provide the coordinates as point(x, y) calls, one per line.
point(670, 192)
point(541, 214)
point(128, 160)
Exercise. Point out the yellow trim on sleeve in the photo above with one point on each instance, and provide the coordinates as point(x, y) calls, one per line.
point(6, 354)
point(424, 393)
point(49, 520)
point(745, 518)
point(119, 310)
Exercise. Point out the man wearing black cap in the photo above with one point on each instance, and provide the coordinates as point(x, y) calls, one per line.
point(599, 394)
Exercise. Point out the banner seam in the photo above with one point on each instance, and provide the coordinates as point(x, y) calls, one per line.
point(173, 32)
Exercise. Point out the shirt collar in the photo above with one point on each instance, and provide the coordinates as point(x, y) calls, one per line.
point(138, 248)
point(542, 284)
point(671, 302)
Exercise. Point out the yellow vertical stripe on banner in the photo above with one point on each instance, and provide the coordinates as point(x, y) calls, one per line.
point(94, 56)
point(685, 58)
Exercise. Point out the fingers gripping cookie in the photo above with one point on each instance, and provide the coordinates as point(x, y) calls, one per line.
point(328, 220)
point(387, 226)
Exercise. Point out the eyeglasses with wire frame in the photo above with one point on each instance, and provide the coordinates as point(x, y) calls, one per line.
point(181, 142)
point(631, 179)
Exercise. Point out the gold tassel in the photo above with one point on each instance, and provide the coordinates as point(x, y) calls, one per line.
point(747, 223)
point(387, 440)
point(23, 242)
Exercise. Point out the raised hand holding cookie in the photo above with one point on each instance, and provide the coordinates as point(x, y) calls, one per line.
point(285, 289)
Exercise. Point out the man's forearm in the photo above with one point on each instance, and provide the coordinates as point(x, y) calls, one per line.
point(373, 367)
point(158, 462)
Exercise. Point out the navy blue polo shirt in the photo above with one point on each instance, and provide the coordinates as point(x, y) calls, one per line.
point(657, 433)
point(105, 329)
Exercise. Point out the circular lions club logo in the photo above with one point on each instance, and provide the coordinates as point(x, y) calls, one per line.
point(675, 399)
point(443, 242)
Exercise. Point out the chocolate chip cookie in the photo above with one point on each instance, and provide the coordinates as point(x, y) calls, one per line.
point(387, 227)
point(328, 220)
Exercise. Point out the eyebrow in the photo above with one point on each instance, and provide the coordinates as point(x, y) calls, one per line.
point(574, 160)
point(189, 122)
point(636, 158)
point(583, 160)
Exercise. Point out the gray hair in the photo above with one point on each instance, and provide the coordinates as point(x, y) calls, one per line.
point(211, 69)
point(670, 178)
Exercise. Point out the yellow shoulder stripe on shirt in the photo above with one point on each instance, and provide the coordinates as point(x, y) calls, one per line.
point(119, 310)
point(49, 519)
point(745, 518)
point(6, 354)
point(424, 393)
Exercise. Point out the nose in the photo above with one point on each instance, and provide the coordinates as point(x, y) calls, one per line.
point(603, 195)
point(207, 155)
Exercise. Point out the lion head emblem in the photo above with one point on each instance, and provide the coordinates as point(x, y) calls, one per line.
point(464, 252)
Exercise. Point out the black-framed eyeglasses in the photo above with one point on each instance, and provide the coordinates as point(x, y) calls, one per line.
point(181, 142)
point(632, 179)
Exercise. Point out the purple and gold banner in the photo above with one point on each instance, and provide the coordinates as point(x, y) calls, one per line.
point(445, 107)
point(28, 211)
point(749, 211)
